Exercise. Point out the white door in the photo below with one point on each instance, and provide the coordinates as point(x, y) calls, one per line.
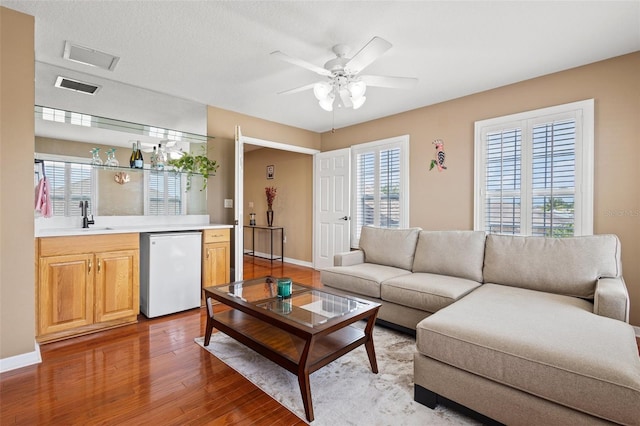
point(239, 196)
point(332, 183)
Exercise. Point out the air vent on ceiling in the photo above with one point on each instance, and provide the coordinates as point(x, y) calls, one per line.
point(88, 56)
point(76, 85)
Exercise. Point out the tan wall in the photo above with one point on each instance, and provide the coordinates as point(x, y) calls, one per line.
point(17, 255)
point(221, 125)
point(293, 206)
point(445, 200)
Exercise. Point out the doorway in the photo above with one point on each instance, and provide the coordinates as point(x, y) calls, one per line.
point(259, 164)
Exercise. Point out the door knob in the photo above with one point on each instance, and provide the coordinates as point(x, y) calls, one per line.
point(344, 218)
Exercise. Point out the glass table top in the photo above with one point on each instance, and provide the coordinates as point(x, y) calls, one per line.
point(306, 306)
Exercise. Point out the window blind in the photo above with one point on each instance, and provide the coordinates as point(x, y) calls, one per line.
point(389, 188)
point(553, 179)
point(69, 184)
point(365, 190)
point(534, 172)
point(165, 193)
point(503, 157)
point(378, 189)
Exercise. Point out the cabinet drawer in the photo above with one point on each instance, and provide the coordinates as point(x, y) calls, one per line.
point(215, 235)
point(54, 246)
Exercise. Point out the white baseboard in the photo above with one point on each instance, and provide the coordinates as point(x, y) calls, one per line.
point(265, 256)
point(22, 360)
point(637, 330)
point(298, 262)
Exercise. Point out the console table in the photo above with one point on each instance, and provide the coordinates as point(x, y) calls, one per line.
point(270, 229)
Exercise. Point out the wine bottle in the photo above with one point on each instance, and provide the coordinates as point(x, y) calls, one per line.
point(160, 159)
point(154, 159)
point(139, 161)
point(132, 159)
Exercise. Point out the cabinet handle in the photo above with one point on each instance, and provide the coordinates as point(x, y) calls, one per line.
point(217, 236)
point(98, 265)
point(208, 253)
point(90, 265)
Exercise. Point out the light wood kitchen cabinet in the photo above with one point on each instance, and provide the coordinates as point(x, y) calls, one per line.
point(86, 284)
point(216, 257)
point(117, 293)
point(65, 293)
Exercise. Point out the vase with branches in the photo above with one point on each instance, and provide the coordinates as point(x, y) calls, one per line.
point(271, 193)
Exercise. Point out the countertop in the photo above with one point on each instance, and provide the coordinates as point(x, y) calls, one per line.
point(118, 229)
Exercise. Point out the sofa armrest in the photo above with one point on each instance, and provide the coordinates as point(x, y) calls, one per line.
point(348, 258)
point(611, 299)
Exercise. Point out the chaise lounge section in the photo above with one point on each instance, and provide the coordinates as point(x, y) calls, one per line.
point(540, 336)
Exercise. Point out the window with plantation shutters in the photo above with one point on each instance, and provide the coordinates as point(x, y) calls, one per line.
point(164, 193)
point(380, 181)
point(553, 168)
point(534, 172)
point(69, 183)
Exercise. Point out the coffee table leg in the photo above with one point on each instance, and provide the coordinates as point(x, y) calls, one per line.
point(371, 352)
point(209, 330)
point(305, 390)
point(303, 380)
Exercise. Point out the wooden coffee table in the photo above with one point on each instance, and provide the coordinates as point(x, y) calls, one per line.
point(302, 333)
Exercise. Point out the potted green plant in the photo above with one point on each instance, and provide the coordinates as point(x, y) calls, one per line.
point(191, 163)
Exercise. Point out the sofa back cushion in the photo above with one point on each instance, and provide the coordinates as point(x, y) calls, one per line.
point(455, 253)
point(390, 247)
point(568, 266)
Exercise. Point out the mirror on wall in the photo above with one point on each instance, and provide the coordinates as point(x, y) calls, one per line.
point(87, 157)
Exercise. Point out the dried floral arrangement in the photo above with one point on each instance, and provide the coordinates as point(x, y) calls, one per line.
point(271, 192)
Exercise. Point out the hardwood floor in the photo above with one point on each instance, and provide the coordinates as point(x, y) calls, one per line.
point(147, 373)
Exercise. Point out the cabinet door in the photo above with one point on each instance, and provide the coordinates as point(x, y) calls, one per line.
point(65, 293)
point(117, 285)
point(216, 264)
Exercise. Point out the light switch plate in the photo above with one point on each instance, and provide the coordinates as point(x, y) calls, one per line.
point(250, 204)
point(228, 203)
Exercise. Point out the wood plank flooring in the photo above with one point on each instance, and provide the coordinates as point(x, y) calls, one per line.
point(147, 373)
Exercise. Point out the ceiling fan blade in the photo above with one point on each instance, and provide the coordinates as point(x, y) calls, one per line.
point(369, 53)
point(391, 82)
point(168, 142)
point(298, 89)
point(345, 98)
point(301, 63)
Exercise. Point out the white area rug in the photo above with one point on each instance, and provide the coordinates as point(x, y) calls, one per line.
point(345, 392)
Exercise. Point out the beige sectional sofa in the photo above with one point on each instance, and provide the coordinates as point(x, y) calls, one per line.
point(523, 330)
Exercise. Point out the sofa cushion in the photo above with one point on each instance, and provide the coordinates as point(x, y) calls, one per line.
point(427, 292)
point(456, 253)
point(388, 246)
point(548, 345)
point(568, 266)
point(364, 278)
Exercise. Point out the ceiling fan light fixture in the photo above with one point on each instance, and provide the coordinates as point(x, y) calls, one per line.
point(321, 90)
point(357, 103)
point(327, 103)
point(357, 89)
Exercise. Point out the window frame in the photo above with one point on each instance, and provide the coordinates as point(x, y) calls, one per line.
point(401, 142)
point(165, 201)
point(583, 113)
point(69, 161)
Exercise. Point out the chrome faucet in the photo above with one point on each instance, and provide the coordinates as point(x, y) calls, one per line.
point(84, 209)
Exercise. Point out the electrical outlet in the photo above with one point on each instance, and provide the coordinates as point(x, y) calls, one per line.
point(228, 203)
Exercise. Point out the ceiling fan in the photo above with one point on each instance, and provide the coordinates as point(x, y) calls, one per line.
point(173, 148)
point(344, 84)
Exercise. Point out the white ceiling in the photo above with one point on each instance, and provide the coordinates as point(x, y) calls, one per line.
point(217, 52)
